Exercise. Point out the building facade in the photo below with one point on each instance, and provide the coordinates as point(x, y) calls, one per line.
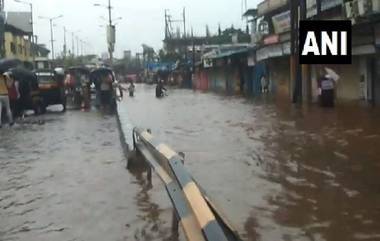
point(17, 44)
point(359, 81)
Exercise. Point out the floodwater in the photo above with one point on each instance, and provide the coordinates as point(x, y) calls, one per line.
point(278, 172)
point(65, 180)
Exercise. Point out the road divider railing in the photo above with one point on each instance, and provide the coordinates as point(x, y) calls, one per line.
point(198, 215)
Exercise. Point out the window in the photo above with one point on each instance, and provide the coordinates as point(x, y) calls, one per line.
point(13, 48)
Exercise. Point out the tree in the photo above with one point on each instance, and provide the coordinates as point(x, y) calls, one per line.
point(207, 31)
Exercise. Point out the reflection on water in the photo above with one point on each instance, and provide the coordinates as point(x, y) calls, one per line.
point(279, 172)
point(149, 211)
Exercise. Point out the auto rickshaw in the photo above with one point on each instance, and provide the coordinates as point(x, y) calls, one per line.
point(78, 87)
point(104, 81)
point(51, 89)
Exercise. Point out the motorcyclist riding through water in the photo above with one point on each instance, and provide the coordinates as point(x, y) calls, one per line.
point(160, 89)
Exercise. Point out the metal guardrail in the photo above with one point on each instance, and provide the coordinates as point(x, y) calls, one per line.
point(194, 210)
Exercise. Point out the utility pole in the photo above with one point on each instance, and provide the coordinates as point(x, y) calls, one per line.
point(52, 39)
point(72, 44)
point(110, 30)
point(32, 38)
point(81, 47)
point(77, 45)
point(193, 43)
point(110, 48)
point(298, 12)
point(184, 23)
point(65, 43)
point(295, 66)
point(184, 33)
point(166, 24)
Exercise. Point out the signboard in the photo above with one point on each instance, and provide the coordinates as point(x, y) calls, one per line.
point(207, 63)
point(272, 39)
point(377, 34)
point(281, 22)
point(327, 4)
point(311, 8)
point(286, 48)
point(111, 35)
point(251, 61)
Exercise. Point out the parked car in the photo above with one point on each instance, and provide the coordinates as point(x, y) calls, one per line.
point(51, 89)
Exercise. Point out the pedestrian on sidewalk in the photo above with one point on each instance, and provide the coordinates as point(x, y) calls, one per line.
point(327, 85)
point(327, 97)
point(4, 99)
point(106, 91)
point(131, 89)
point(14, 94)
point(264, 84)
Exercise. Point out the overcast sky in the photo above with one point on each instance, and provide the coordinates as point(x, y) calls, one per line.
point(142, 20)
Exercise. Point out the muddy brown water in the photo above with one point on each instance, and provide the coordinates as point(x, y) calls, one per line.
point(278, 172)
point(66, 180)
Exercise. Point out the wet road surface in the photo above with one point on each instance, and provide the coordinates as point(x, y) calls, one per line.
point(278, 172)
point(66, 180)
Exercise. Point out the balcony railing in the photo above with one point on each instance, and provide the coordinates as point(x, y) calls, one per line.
point(328, 4)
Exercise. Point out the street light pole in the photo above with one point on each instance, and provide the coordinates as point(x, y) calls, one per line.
point(65, 43)
point(110, 23)
point(72, 44)
point(78, 46)
point(32, 24)
point(52, 34)
point(110, 29)
point(81, 47)
point(52, 40)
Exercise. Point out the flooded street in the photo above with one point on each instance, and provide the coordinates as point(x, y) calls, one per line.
point(279, 173)
point(66, 180)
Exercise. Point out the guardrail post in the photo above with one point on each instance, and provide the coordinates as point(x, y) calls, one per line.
point(149, 176)
point(149, 172)
point(175, 221)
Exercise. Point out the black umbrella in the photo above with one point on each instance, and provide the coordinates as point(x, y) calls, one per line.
point(99, 73)
point(28, 80)
point(81, 70)
point(102, 72)
point(6, 64)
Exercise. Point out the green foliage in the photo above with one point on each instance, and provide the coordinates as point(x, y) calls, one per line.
point(74, 61)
